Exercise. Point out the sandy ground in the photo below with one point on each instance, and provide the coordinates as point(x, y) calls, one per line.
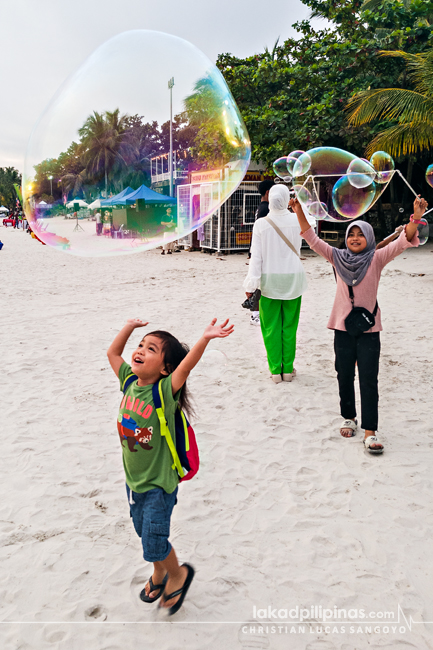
point(283, 513)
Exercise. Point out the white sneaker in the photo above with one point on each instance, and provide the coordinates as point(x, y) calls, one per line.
point(289, 376)
point(255, 320)
point(276, 379)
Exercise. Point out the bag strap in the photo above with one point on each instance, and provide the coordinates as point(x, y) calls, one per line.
point(128, 381)
point(158, 400)
point(351, 294)
point(283, 236)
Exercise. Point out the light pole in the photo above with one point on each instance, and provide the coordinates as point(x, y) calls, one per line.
point(170, 167)
point(51, 183)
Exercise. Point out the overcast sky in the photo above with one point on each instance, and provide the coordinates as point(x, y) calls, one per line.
point(44, 41)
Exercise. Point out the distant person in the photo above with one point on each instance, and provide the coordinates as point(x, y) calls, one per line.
point(264, 189)
point(170, 228)
point(160, 365)
point(98, 223)
point(277, 270)
point(358, 269)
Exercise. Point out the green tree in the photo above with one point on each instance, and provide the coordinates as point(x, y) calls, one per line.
point(104, 145)
point(8, 177)
point(292, 97)
point(409, 111)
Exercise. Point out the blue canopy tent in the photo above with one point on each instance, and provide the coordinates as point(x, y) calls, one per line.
point(107, 203)
point(146, 194)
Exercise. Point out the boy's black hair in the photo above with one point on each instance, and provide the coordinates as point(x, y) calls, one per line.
point(174, 352)
point(264, 186)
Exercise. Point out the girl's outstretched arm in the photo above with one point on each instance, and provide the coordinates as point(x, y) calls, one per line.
point(114, 352)
point(212, 331)
point(419, 207)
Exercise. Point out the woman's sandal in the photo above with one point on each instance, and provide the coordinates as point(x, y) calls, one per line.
point(182, 592)
point(372, 440)
point(147, 599)
point(349, 424)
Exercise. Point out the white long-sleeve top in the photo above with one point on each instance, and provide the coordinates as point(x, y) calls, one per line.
point(274, 268)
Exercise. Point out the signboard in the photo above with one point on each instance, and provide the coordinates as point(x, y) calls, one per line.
point(243, 238)
point(206, 177)
point(254, 176)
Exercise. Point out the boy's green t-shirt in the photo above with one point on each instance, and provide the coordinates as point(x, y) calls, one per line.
point(147, 459)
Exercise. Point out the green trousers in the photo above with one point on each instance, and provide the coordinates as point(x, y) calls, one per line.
point(279, 322)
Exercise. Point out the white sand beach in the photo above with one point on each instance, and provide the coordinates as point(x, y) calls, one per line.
point(283, 512)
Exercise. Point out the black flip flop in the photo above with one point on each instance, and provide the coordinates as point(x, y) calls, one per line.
point(147, 599)
point(182, 592)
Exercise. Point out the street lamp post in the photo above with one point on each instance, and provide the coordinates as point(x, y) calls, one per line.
point(51, 183)
point(170, 167)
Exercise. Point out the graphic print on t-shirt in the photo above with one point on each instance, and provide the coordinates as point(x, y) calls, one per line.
point(133, 434)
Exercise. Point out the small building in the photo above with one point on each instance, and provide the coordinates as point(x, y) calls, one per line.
point(230, 226)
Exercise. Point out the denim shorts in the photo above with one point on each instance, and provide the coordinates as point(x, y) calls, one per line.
point(151, 513)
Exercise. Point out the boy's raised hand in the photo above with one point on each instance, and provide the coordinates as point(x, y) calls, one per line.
point(136, 322)
point(214, 331)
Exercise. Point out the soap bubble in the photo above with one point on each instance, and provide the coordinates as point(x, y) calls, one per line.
point(280, 167)
point(298, 163)
point(213, 364)
point(349, 201)
point(102, 144)
point(423, 231)
point(384, 166)
point(360, 173)
point(303, 195)
point(401, 210)
point(429, 175)
point(339, 183)
point(318, 210)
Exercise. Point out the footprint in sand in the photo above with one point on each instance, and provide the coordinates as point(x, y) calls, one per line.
point(96, 613)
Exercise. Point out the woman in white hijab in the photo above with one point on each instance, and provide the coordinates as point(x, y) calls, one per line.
point(275, 268)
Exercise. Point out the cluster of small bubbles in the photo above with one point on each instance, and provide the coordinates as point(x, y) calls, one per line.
point(339, 186)
point(429, 175)
point(97, 159)
point(383, 165)
point(361, 173)
point(280, 168)
point(423, 231)
point(298, 163)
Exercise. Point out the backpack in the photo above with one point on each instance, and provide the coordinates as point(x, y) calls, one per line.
point(184, 450)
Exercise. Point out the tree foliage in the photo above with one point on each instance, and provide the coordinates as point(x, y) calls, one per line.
point(293, 97)
point(9, 176)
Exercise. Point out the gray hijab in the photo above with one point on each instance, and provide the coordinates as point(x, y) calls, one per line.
point(352, 267)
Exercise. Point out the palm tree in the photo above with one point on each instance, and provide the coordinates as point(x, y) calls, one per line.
point(410, 110)
point(102, 136)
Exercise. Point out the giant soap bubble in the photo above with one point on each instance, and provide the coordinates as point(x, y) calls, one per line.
point(336, 185)
point(103, 146)
point(429, 175)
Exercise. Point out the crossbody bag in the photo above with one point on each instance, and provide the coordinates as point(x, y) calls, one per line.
point(360, 319)
point(283, 236)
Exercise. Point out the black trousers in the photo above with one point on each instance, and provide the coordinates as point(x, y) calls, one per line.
point(364, 350)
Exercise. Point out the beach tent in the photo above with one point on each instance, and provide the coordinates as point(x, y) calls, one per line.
point(95, 204)
point(3, 209)
point(80, 202)
point(146, 194)
point(114, 200)
point(43, 205)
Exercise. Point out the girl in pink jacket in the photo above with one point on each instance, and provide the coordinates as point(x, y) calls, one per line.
point(358, 269)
